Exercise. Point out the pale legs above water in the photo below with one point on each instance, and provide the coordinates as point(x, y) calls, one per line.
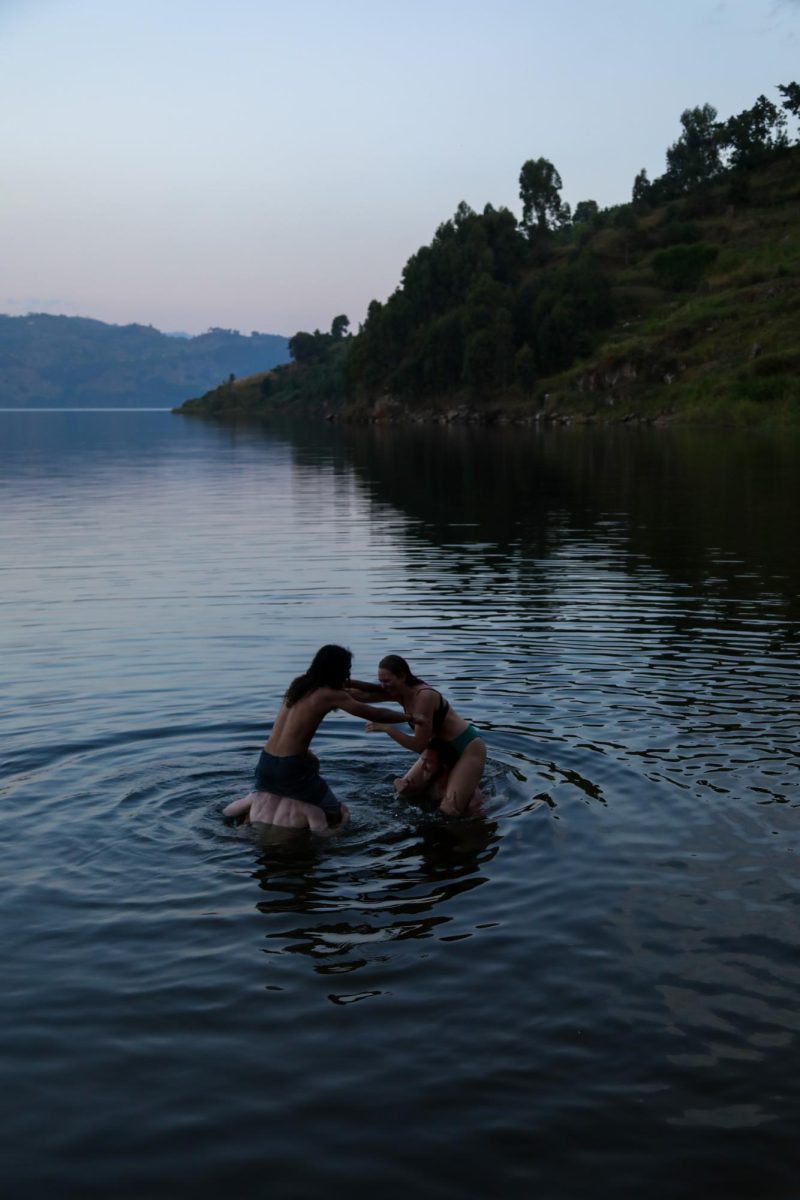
point(269, 809)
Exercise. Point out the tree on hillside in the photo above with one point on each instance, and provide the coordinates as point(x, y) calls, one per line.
point(308, 348)
point(626, 221)
point(489, 346)
point(754, 134)
point(585, 211)
point(556, 312)
point(641, 188)
point(539, 190)
point(339, 327)
point(695, 157)
point(791, 98)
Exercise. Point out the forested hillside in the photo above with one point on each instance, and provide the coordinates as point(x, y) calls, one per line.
point(73, 361)
point(686, 299)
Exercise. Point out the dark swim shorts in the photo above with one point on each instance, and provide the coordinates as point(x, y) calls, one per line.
point(296, 776)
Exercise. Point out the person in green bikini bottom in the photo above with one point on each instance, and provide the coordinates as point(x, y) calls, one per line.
point(452, 751)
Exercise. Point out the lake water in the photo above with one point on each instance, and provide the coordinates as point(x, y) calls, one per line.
point(592, 992)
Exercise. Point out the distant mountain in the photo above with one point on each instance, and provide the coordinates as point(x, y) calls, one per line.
point(75, 362)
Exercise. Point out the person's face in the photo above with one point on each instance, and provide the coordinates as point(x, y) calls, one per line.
point(392, 684)
point(430, 760)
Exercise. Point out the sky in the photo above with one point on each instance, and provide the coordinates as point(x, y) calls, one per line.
point(267, 166)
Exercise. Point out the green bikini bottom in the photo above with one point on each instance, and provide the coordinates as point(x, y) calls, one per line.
point(459, 744)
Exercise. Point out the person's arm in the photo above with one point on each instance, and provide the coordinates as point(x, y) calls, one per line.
point(416, 741)
point(367, 712)
point(368, 692)
point(422, 722)
point(360, 694)
point(359, 685)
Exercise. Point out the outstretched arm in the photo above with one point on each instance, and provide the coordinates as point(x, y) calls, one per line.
point(416, 741)
point(367, 712)
point(360, 690)
point(422, 723)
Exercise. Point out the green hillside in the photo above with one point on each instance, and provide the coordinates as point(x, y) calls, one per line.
point(682, 304)
point(705, 328)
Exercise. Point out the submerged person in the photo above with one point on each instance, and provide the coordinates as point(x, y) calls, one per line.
point(286, 769)
point(431, 716)
point(259, 807)
point(429, 777)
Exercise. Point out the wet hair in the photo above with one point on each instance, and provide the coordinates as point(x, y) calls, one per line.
point(330, 667)
point(399, 666)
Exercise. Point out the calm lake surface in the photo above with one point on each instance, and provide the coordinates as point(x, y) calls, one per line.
point(591, 993)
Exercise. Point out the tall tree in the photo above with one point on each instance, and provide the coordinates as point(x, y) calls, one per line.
point(539, 190)
point(755, 133)
point(339, 327)
point(791, 98)
point(585, 211)
point(695, 157)
point(641, 188)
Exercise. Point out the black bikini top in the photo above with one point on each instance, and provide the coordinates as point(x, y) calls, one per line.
point(441, 712)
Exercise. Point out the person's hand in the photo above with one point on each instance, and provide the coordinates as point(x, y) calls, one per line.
point(376, 727)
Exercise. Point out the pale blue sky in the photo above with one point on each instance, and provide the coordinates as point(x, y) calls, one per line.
point(256, 165)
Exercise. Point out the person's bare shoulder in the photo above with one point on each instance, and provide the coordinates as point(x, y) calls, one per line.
point(323, 699)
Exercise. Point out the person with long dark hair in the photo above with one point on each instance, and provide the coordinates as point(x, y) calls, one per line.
point(457, 746)
point(286, 769)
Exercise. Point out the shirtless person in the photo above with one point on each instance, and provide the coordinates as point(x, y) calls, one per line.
point(287, 782)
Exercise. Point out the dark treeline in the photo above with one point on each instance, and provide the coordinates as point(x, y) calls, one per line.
point(494, 305)
point(707, 148)
point(480, 308)
point(494, 302)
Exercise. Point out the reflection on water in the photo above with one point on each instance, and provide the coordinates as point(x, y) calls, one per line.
point(596, 983)
point(394, 874)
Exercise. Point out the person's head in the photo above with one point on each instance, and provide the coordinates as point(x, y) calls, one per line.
point(330, 667)
point(394, 674)
point(439, 756)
